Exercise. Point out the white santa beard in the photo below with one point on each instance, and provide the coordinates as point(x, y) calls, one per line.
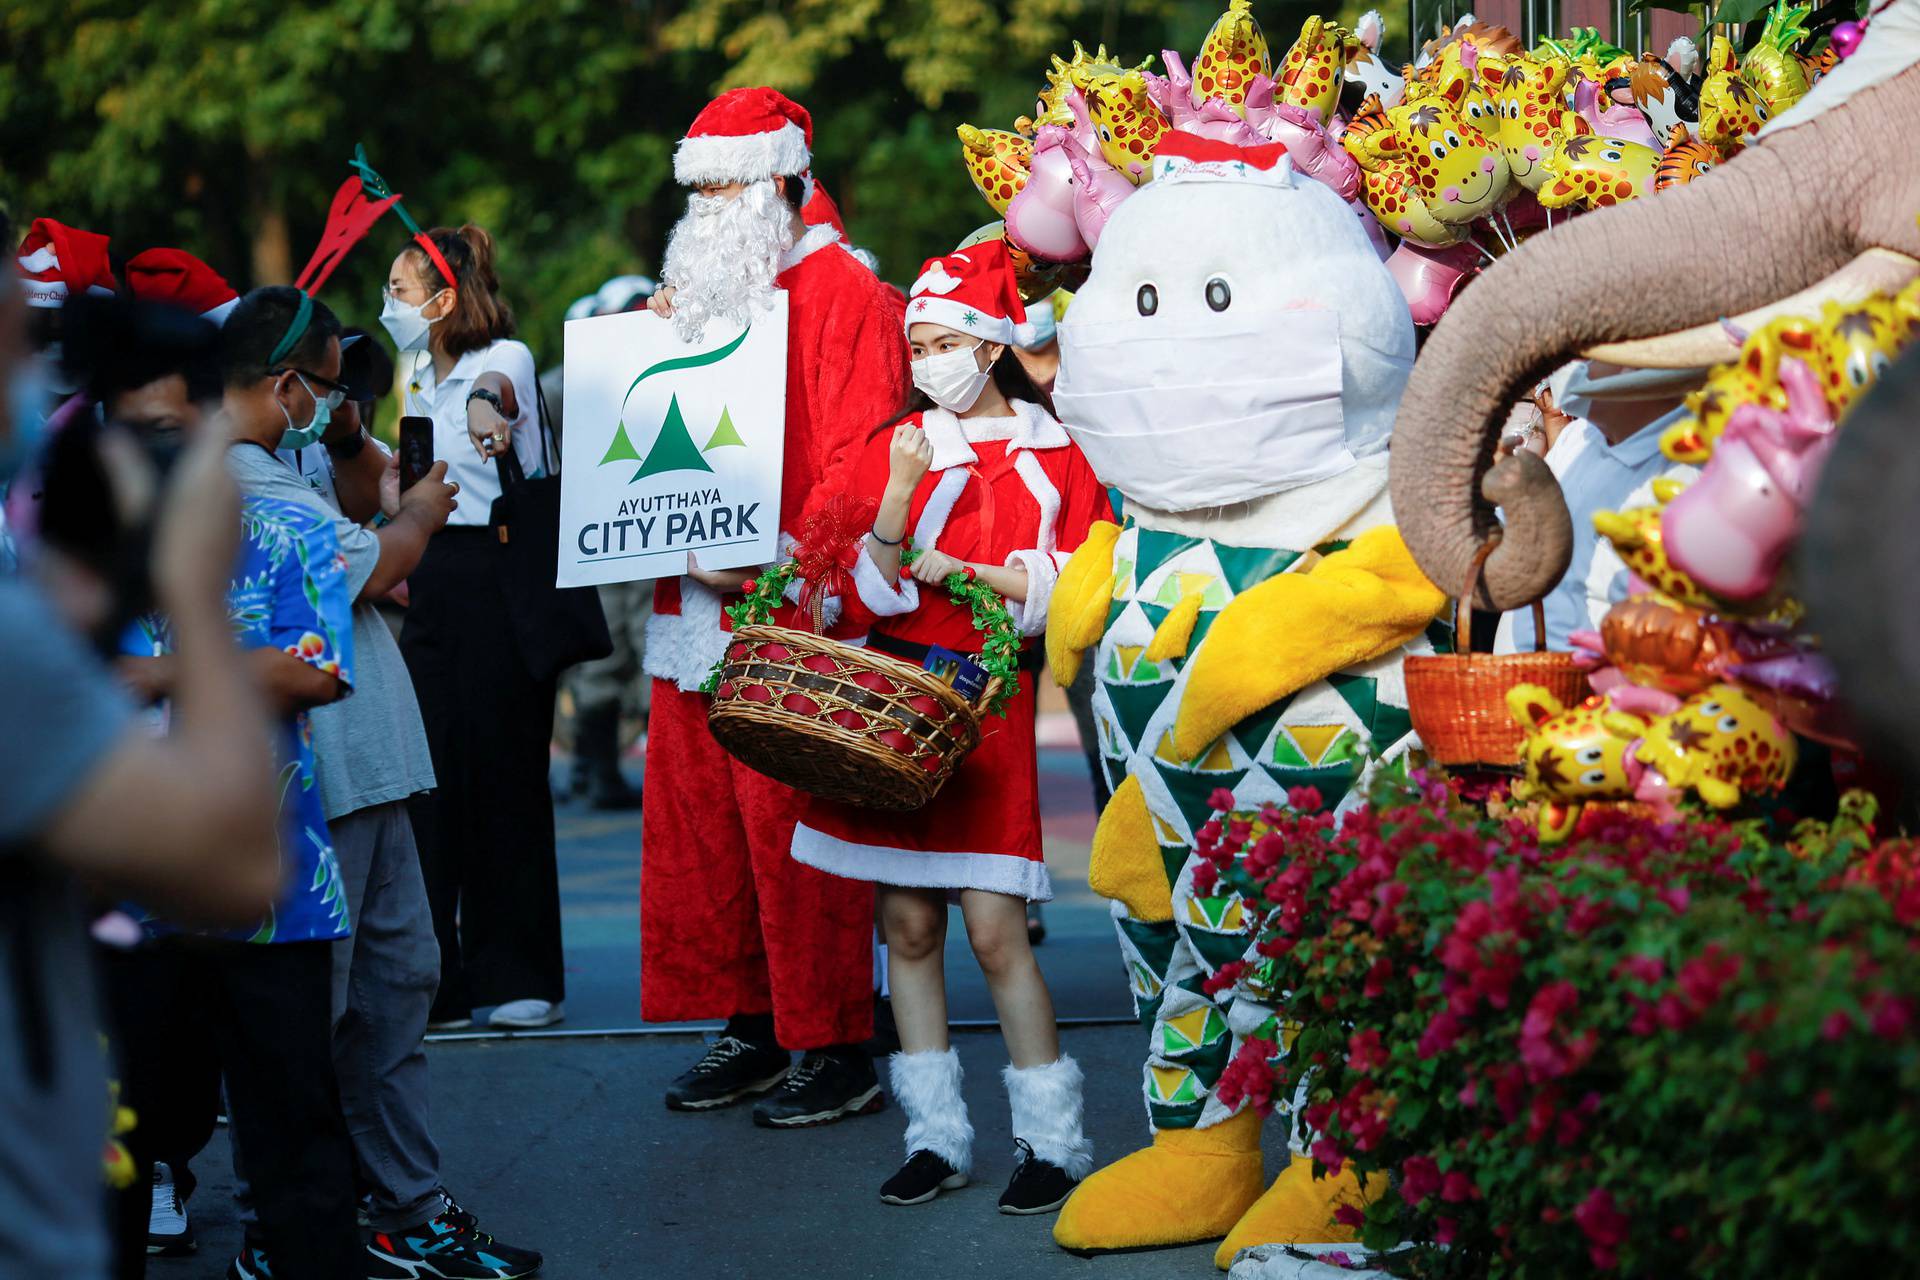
point(723, 256)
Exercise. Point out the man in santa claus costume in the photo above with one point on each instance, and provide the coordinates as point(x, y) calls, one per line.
point(730, 925)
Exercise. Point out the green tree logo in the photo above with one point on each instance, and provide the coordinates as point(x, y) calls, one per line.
point(673, 448)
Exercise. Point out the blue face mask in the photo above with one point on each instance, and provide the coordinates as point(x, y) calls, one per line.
point(28, 397)
point(305, 437)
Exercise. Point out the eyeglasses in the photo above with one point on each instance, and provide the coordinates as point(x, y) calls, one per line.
point(336, 391)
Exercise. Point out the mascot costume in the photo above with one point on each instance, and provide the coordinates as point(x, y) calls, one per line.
point(1232, 366)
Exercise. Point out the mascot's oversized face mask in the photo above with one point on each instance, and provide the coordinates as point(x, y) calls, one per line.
point(1238, 337)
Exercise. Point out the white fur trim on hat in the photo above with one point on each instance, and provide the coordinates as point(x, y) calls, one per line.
point(927, 1086)
point(961, 318)
point(716, 158)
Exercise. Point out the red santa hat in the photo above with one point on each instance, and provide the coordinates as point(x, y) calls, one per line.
point(821, 211)
point(57, 260)
point(745, 135)
point(177, 277)
point(970, 290)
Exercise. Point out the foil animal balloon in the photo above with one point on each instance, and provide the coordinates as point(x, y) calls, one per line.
point(1204, 118)
point(1731, 109)
point(1638, 540)
point(1062, 77)
point(1731, 530)
point(998, 161)
point(1435, 159)
point(1364, 65)
point(1721, 745)
point(1389, 185)
point(1098, 187)
point(1605, 114)
point(1667, 648)
point(1040, 217)
point(1594, 172)
point(1684, 159)
point(1310, 146)
point(1431, 277)
point(1311, 74)
point(1118, 111)
point(1652, 85)
point(1534, 120)
point(1234, 52)
point(1770, 66)
point(1572, 756)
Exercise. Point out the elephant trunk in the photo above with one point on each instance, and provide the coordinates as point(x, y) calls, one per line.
point(1755, 230)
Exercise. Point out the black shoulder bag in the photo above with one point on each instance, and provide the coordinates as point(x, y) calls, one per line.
point(556, 627)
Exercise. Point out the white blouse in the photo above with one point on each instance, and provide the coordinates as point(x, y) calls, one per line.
point(446, 404)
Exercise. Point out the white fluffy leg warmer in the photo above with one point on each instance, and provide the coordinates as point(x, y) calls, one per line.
point(927, 1086)
point(1046, 1113)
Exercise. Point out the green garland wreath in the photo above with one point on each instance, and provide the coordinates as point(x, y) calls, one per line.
point(999, 654)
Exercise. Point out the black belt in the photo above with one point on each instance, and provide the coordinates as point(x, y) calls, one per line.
point(1032, 656)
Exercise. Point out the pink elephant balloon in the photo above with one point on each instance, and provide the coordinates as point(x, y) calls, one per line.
point(1731, 530)
point(1040, 218)
point(1208, 118)
point(1431, 277)
point(1312, 149)
point(1098, 189)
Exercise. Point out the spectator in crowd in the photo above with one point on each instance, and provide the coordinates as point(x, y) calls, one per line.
point(486, 835)
point(252, 1005)
point(373, 757)
point(185, 822)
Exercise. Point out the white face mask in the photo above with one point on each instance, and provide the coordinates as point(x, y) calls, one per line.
point(1128, 395)
point(952, 380)
point(405, 325)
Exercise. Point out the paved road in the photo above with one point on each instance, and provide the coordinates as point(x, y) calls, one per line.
point(562, 1143)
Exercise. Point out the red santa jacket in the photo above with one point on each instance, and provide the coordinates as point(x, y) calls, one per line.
point(1012, 491)
point(846, 373)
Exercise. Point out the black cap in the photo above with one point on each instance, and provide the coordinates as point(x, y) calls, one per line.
point(365, 368)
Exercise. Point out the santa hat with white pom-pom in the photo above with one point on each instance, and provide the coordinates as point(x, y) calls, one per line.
point(745, 135)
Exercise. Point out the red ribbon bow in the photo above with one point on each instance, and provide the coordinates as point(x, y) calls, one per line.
point(830, 544)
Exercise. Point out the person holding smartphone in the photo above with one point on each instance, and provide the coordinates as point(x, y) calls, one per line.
point(486, 835)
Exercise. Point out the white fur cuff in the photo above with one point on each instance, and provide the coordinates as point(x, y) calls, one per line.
point(927, 1086)
point(1031, 614)
point(883, 599)
point(1046, 1104)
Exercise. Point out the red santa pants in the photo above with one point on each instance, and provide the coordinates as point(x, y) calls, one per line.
point(729, 922)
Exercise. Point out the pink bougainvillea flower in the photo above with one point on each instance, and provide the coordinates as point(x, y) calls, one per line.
point(1419, 1178)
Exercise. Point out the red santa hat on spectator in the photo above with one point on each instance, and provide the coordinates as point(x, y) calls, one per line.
point(970, 290)
point(745, 135)
point(821, 211)
point(177, 277)
point(57, 260)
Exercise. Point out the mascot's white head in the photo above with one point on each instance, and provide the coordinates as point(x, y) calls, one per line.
point(1238, 335)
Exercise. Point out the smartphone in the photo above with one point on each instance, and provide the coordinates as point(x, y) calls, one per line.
point(416, 449)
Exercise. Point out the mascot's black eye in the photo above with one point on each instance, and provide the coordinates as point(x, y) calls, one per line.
point(1219, 296)
point(1148, 300)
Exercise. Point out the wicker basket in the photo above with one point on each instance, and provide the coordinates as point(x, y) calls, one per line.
point(1458, 701)
point(841, 722)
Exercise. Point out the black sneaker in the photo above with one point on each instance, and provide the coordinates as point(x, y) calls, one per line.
point(450, 1249)
point(924, 1176)
point(250, 1265)
point(169, 1232)
point(827, 1086)
point(732, 1070)
point(1037, 1186)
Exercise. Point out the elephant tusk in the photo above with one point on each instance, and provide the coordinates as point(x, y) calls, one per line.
point(1875, 271)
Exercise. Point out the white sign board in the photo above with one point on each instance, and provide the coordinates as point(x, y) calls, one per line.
point(671, 447)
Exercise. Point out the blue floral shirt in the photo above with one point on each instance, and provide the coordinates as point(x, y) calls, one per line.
point(289, 592)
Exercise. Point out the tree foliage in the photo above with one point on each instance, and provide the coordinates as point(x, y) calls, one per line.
point(223, 126)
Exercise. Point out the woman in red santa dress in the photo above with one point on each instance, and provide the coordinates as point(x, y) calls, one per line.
point(988, 484)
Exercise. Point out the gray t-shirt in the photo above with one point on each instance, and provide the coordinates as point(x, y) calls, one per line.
point(369, 747)
point(60, 716)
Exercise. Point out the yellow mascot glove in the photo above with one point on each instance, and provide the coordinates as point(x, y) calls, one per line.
point(1082, 595)
point(1281, 635)
point(1126, 857)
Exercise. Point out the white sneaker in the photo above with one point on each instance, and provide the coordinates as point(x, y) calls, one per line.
point(450, 1024)
point(169, 1234)
point(527, 1015)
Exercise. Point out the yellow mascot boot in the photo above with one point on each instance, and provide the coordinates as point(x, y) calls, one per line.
point(1190, 1185)
point(1298, 1209)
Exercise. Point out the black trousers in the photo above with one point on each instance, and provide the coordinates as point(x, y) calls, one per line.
point(486, 833)
point(187, 1011)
